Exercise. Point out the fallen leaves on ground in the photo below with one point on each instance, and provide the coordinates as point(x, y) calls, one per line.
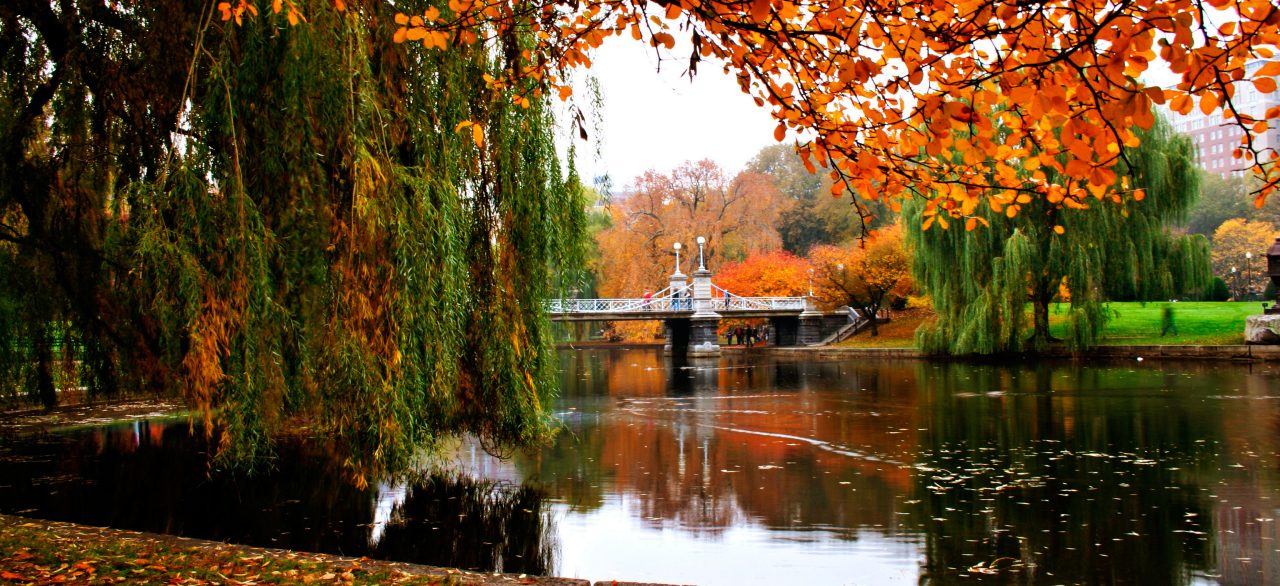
point(48, 553)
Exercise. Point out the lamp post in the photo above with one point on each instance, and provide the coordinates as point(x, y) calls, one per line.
point(811, 282)
point(843, 284)
point(1247, 285)
point(702, 266)
point(677, 247)
point(1235, 284)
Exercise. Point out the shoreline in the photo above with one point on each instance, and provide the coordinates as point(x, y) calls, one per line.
point(1228, 352)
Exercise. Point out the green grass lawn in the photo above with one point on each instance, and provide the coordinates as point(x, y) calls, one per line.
point(1131, 324)
point(1197, 322)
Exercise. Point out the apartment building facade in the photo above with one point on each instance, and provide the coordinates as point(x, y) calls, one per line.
point(1216, 139)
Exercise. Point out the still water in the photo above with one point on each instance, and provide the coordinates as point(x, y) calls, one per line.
point(762, 470)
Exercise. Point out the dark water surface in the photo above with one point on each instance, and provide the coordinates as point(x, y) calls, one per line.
point(758, 470)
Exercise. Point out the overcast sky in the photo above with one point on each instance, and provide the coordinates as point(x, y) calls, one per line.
point(658, 120)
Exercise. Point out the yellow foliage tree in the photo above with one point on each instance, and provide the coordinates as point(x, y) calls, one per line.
point(1232, 241)
point(863, 275)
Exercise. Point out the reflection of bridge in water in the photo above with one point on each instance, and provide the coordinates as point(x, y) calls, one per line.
point(691, 313)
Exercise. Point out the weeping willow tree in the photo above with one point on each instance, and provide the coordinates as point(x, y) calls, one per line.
point(279, 224)
point(1091, 251)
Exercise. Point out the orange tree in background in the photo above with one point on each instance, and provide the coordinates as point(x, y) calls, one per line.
point(884, 87)
point(864, 277)
point(776, 273)
point(736, 216)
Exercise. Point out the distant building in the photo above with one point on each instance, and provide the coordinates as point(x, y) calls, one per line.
point(1216, 138)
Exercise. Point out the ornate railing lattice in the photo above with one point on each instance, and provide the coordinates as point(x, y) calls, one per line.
point(680, 299)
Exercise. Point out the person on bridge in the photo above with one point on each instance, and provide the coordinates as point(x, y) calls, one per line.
point(647, 298)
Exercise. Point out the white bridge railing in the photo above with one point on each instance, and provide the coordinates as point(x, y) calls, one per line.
point(612, 305)
point(664, 300)
point(726, 301)
point(680, 300)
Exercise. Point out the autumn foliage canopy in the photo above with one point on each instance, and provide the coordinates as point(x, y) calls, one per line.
point(878, 89)
point(771, 274)
point(866, 276)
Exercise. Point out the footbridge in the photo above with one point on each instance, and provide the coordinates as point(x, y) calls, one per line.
point(691, 311)
point(677, 303)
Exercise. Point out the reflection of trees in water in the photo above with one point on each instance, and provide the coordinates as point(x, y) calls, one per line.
point(583, 372)
point(455, 520)
point(1093, 473)
point(1055, 473)
point(155, 477)
point(677, 460)
point(786, 376)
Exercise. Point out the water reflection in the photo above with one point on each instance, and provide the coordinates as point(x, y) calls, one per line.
point(1095, 473)
point(154, 477)
point(751, 443)
point(459, 521)
point(1087, 474)
point(751, 469)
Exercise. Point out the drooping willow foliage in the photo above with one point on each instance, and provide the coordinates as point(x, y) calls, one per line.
point(280, 224)
point(982, 281)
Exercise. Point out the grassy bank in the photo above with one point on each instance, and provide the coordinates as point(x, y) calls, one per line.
point(900, 332)
point(1204, 323)
point(1199, 323)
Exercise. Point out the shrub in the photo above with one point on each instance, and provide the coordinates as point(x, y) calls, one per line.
point(1217, 290)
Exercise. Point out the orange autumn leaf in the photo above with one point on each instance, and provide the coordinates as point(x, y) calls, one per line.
point(1208, 103)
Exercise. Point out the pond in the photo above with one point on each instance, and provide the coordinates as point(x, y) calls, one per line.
point(751, 469)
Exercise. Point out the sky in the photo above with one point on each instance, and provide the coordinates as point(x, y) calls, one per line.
point(658, 120)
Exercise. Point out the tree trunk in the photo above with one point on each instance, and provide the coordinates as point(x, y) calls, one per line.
point(869, 311)
point(44, 371)
point(1040, 321)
